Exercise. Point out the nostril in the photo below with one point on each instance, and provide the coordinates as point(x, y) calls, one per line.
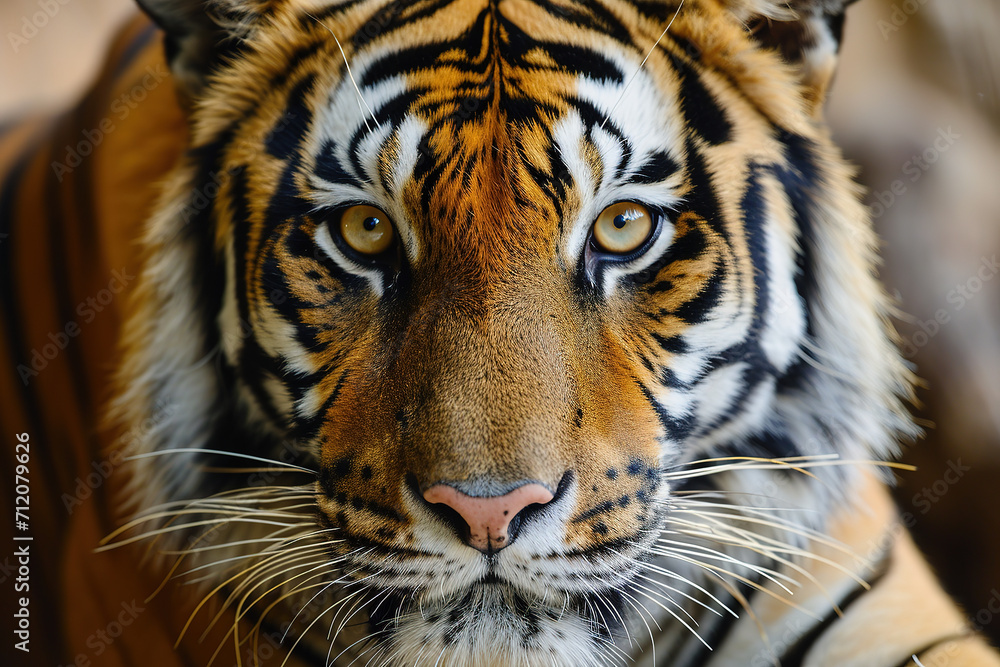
point(534, 509)
point(487, 523)
point(453, 519)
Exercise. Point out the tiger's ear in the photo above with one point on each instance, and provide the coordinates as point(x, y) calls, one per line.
point(198, 33)
point(807, 33)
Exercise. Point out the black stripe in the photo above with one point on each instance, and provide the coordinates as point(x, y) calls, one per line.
point(755, 219)
point(329, 168)
point(567, 58)
point(703, 113)
point(657, 167)
point(778, 445)
point(716, 635)
point(703, 199)
point(8, 124)
point(908, 660)
point(18, 350)
point(796, 655)
point(307, 428)
point(800, 177)
point(698, 308)
point(593, 17)
point(133, 49)
point(285, 137)
point(676, 428)
point(12, 323)
point(57, 220)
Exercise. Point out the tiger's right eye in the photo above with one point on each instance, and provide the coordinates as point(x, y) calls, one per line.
point(366, 229)
point(623, 227)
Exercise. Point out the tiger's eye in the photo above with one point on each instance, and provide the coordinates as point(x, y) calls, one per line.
point(623, 227)
point(366, 229)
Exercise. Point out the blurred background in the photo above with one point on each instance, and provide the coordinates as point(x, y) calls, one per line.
point(916, 107)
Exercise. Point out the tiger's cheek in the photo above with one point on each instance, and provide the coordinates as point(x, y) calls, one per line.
point(361, 483)
point(617, 453)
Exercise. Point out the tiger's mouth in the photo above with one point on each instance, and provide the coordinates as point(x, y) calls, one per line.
point(514, 608)
point(494, 614)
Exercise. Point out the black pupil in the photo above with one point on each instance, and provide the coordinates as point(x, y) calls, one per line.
point(621, 220)
point(370, 223)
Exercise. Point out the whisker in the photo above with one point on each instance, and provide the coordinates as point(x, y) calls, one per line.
point(239, 495)
point(673, 589)
point(752, 541)
point(757, 463)
point(796, 529)
point(639, 608)
point(226, 511)
point(268, 609)
point(647, 592)
point(350, 74)
point(596, 608)
point(271, 553)
point(768, 573)
point(184, 526)
point(384, 595)
point(769, 553)
point(198, 450)
point(214, 591)
point(311, 624)
point(674, 575)
point(254, 632)
point(226, 545)
point(641, 65)
point(744, 580)
point(733, 531)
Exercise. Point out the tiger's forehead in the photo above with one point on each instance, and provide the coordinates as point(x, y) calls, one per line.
point(501, 126)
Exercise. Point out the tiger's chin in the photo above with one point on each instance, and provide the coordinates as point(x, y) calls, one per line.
point(491, 623)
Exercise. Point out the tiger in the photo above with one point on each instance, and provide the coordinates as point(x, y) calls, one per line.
point(459, 332)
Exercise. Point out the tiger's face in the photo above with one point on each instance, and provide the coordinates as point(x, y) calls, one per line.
point(497, 280)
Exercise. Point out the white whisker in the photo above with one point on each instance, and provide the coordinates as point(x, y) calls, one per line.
point(642, 64)
point(196, 450)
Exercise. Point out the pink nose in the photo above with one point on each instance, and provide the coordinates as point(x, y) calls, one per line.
point(488, 519)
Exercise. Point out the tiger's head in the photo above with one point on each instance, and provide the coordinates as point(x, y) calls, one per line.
point(492, 281)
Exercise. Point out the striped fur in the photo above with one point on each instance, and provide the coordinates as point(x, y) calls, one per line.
point(706, 410)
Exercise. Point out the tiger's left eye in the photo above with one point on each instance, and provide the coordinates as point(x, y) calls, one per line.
point(366, 229)
point(623, 227)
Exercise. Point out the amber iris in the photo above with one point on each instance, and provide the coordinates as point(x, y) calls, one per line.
point(366, 229)
point(623, 227)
